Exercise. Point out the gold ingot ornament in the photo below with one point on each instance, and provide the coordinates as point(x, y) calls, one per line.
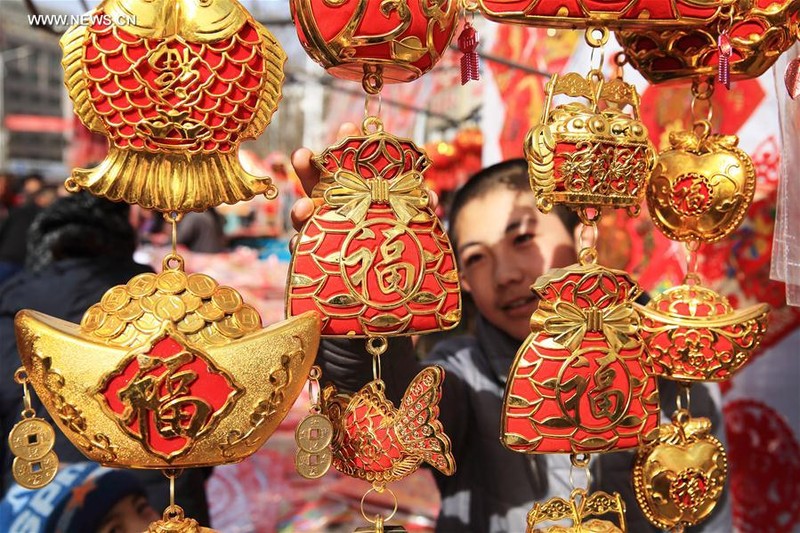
point(175, 91)
point(693, 333)
point(589, 153)
point(702, 186)
point(679, 479)
point(188, 379)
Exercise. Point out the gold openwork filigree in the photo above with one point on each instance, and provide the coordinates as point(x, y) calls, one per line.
point(759, 33)
point(375, 441)
point(580, 509)
point(643, 14)
point(694, 334)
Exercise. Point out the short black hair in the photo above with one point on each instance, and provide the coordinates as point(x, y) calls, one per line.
point(80, 226)
point(511, 174)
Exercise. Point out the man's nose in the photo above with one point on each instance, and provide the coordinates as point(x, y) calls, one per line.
point(507, 272)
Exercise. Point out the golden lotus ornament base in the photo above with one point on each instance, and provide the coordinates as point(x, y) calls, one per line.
point(679, 479)
point(580, 508)
point(168, 371)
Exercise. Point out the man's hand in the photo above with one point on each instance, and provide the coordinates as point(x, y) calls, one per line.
point(309, 177)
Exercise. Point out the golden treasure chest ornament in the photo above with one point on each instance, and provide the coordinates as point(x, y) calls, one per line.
point(592, 152)
point(175, 93)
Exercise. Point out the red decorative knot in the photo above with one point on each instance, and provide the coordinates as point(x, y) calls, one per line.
point(468, 44)
point(724, 66)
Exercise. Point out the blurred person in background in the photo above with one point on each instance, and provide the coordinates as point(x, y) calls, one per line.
point(30, 185)
point(83, 498)
point(14, 231)
point(202, 232)
point(78, 248)
point(7, 184)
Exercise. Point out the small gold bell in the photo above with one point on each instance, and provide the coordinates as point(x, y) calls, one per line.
point(378, 527)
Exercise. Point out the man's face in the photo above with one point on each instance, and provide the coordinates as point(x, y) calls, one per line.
point(503, 244)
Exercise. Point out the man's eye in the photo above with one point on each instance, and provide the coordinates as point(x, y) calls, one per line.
point(473, 259)
point(522, 238)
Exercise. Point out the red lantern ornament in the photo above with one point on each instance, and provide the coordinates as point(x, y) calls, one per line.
point(373, 259)
point(390, 42)
point(573, 14)
point(581, 382)
point(743, 41)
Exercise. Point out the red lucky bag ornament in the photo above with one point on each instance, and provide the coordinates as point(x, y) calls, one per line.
point(581, 382)
point(373, 259)
point(175, 93)
point(375, 42)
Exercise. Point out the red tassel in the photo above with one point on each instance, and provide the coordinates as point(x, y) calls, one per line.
point(724, 66)
point(468, 44)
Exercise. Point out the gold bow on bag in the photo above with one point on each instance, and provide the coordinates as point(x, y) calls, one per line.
point(570, 323)
point(353, 195)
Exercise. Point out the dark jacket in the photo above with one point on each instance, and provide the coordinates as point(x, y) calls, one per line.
point(494, 488)
point(66, 289)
